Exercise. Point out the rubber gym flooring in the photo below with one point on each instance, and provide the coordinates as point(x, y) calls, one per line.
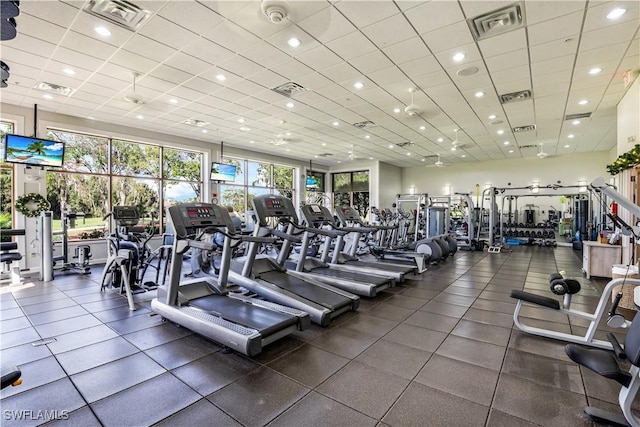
point(439, 349)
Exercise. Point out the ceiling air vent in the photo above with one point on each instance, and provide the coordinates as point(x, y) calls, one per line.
point(515, 96)
point(524, 147)
point(289, 89)
point(325, 154)
point(195, 122)
point(404, 144)
point(54, 88)
point(526, 128)
point(119, 12)
point(365, 124)
point(499, 21)
point(577, 116)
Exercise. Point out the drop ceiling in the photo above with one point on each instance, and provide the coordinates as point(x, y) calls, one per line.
point(182, 48)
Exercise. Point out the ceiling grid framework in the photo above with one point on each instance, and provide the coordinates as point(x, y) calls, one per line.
point(182, 49)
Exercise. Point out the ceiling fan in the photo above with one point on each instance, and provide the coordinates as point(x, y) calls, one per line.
point(541, 153)
point(282, 138)
point(438, 164)
point(455, 144)
point(133, 97)
point(412, 109)
point(353, 156)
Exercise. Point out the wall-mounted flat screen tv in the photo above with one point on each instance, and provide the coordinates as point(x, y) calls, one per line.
point(222, 172)
point(32, 151)
point(315, 181)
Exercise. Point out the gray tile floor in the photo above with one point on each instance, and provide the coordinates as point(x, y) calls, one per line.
point(439, 349)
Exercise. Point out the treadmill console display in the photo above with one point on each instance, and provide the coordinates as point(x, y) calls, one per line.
point(126, 216)
point(315, 214)
point(189, 216)
point(349, 213)
point(272, 206)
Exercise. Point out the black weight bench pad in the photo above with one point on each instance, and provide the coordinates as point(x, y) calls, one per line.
point(600, 361)
point(535, 299)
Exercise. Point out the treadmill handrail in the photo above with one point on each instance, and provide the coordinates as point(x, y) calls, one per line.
point(286, 236)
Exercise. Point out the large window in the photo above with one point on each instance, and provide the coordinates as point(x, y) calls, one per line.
point(256, 178)
point(101, 172)
point(6, 183)
point(351, 189)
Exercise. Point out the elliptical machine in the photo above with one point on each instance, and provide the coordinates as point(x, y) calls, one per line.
point(129, 255)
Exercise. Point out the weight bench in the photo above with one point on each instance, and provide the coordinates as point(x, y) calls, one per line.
point(567, 287)
point(9, 254)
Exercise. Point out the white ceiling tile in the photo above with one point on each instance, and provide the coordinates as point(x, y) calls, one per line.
point(39, 28)
point(475, 8)
point(231, 36)
point(508, 60)
point(449, 37)
point(31, 45)
point(326, 25)
point(553, 49)
point(149, 48)
point(167, 33)
point(319, 58)
point(446, 57)
point(608, 35)
point(420, 66)
point(351, 46)
point(539, 11)
point(281, 39)
point(240, 66)
point(197, 17)
point(553, 66)
point(389, 31)
point(387, 76)
point(131, 61)
point(59, 13)
point(423, 17)
point(208, 51)
point(188, 64)
point(503, 43)
point(562, 27)
point(364, 16)
point(511, 86)
point(291, 69)
point(266, 55)
point(597, 14)
point(371, 62)
point(407, 50)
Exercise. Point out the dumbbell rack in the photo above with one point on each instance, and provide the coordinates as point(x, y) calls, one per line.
point(541, 234)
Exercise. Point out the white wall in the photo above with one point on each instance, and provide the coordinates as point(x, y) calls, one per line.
point(629, 119)
point(389, 184)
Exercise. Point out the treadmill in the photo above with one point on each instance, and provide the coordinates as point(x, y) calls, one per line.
point(204, 304)
point(269, 278)
point(348, 216)
point(319, 216)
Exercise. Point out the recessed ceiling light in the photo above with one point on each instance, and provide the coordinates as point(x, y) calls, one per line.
point(423, 159)
point(491, 117)
point(240, 120)
point(370, 158)
point(173, 101)
point(140, 117)
point(453, 148)
point(571, 135)
point(390, 145)
point(324, 144)
point(290, 105)
point(103, 31)
point(316, 156)
point(288, 133)
point(459, 56)
point(479, 94)
point(505, 143)
point(567, 146)
point(510, 151)
point(288, 149)
point(463, 156)
point(440, 139)
point(358, 85)
point(68, 71)
point(47, 96)
point(252, 142)
point(294, 42)
point(90, 118)
point(336, 123)
point(422, 127)
point(500, 132)
point(338, 161)
point(205, 131)
point(595, 70)
point(367, 136)
point(221, 77)
point(396, 110)
point(616, 13)
point(583, 102)
point(575, 122)
point(408, 154)
point(245, 129)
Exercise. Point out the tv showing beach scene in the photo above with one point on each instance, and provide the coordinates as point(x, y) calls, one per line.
point(33, 151)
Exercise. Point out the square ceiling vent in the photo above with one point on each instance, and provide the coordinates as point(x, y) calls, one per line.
point(365, 125)
point(526, 128)
point(195, 122)
point(577, 116)
point(499, 21)
point(289, 89)
point(119, 12)
point(522, 95)
point(54, 88)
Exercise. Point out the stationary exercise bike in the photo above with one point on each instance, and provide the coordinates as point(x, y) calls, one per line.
point(129, 255)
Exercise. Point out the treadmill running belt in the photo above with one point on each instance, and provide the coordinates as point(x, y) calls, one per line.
point(317, 294)
point(351, 275)
point(259, 318)
point(382, 266)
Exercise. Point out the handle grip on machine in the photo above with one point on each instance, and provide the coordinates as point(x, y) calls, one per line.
point(614, 306)
point(285, 236)
point(199, 244)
